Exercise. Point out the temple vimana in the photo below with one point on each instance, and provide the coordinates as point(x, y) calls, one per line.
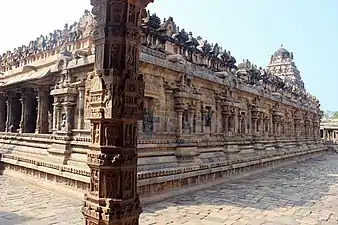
point(206, 116)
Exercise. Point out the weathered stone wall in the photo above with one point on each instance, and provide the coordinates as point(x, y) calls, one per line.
point(170, 154)
point(205, 118)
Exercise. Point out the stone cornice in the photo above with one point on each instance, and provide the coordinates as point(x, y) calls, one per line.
point(196, 71)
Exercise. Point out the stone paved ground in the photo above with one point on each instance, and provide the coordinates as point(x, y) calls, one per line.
point(306, 193)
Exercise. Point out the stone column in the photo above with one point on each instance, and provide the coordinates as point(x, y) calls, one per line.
point(236, 122)
point(218, 116)
point(261, 126)
point(42, 115)
point(112, 158)
point(24, 113)
point(80, 122)
point(240, 121)
point(226, 123)
point(9, 119)
point(69, 110)
point(57, 109)
point(168, 98)
point(191, 117)
point(2, 112)
point(179, 125)
point(203, 122)
point(254, 126)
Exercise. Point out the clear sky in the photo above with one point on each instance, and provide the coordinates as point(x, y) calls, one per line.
point(249, 29)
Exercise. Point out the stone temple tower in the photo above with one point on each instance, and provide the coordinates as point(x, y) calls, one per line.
point(282, 65)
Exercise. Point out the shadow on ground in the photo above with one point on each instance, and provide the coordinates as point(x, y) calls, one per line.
point(298, 185)
point(10, 218)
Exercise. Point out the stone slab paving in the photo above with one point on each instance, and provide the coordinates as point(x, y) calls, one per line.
point(306, 194)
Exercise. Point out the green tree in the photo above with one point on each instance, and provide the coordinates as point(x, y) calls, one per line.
point(335, 115)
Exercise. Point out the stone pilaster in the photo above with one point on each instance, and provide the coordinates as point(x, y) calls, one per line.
point(69, 116)
point(226, 123)
point(191, 117)
point(203, 120)
point(57, 110)
point(168, 102)
point(236, 122)
point(42, 115)
point(254, 125)
point(116, 103)
point(80, 122)
point(179, 125)
point(2, 113)
point(218, 116)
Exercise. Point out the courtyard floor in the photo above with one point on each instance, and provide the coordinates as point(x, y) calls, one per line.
point(306, 193)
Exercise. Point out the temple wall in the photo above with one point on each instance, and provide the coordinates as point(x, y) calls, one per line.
point(205, 118)
point(186, 137)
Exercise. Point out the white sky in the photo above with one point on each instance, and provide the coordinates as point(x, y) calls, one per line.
point(24, 20)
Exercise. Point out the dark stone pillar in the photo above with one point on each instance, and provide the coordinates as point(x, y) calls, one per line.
point(24, 113)
point(9, 118)
point(43, 107)
point(2, 112)
point(116, 96)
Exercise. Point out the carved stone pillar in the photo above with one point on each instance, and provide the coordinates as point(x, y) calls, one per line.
point(116, 103)
point(297, 127)
point(80, 122)
point(24, 113)
point(218, 116)
point(236, 121)
point(232, 124)
point(69, 112)
point(203, 119)
point(42, 115)
point(226, 123)
point(57, 116)
point(254, 125)
point(179, 124)
point(9, 118)
point(266, 126)
point(240, 124)
point(2, 112)
point(168, 102)
point(191, 117)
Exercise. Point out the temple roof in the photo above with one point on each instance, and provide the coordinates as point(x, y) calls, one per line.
point(282, 52)
point(165, 37)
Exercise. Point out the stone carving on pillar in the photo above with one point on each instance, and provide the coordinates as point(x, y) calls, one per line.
point(115, 105)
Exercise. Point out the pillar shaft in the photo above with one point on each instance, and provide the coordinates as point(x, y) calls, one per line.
point(42, 115)
point(80, 122)
point(2, 112)
point(9, 117)
point(116, 103)
point(179, 123)
point(24, 113)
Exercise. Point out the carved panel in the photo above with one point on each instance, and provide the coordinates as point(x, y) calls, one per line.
point(112, 183)
point(94, 182)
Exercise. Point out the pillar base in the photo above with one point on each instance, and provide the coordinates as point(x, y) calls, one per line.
point(188, 155)
point(111, 211)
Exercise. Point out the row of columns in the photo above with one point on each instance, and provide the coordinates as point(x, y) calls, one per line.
point(17, 110)
point(20, 111)
point(329, 134)
point(252, 122)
